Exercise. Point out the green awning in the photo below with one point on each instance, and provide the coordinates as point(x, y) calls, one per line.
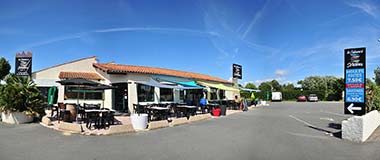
point(218, 86)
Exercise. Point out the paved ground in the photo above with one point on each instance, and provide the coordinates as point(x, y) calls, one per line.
point(286, 131)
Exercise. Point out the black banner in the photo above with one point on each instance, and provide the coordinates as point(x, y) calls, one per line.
point(237, 71)
point(23, 64)
point(354, 78)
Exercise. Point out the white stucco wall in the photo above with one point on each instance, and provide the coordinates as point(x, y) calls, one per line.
point(359, 128)
point(48, 77)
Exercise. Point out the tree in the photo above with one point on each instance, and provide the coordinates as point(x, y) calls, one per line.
point(377, 76)
point(5, 67)
point(250, 86)
point(275, 85)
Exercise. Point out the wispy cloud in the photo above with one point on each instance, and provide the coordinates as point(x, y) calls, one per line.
point(158, 29)
point(121, 29)
point(258, 15)
point(366, 6)
point(281, 72)
point(55, 39)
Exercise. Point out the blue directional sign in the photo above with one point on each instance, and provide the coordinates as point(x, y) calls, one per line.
point(355, 76)
point(355, 95)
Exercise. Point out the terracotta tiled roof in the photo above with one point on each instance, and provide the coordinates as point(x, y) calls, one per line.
point(121, 69)
point(85, 75)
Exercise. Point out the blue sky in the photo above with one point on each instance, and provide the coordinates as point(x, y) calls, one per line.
point(285, 40)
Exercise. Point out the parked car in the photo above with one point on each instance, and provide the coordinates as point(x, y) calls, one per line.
point(276, 96)
point(313, 98)
point(301, 98)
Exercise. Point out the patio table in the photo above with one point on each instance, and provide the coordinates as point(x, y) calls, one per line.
point(186, 110)
point(99, 117)
point(158, 112)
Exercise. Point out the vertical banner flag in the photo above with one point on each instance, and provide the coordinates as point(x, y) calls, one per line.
point(354, 77)
point(236, 71)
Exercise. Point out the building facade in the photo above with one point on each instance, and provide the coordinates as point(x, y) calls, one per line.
point(133, 84)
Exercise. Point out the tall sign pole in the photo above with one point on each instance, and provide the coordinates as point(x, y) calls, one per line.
point(236, 74)
point(23, 64)
point(355, 81)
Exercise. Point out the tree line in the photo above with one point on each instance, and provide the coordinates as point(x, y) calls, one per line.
point(327, 88)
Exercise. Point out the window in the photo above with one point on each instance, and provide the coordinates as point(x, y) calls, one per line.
point(213, 94)
point(166, 94)
point(80, 93)
point(182, 95)
point(145, 93)
point(44, 92)
point(222, 94)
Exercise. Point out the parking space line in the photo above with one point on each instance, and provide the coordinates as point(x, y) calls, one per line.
point(300, 120)
point(336, 114)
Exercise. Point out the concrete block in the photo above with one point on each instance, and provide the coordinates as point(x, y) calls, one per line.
point(179, 121)
point(359, 128)
point(116, 129)
point(75, 128)
point(46, 120)
point(229, 112)
point(199, 117)
point(158, 124)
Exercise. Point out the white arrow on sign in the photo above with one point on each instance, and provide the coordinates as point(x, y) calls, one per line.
point(351, 108)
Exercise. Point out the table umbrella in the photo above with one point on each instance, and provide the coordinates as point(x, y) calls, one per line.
point(85, 84)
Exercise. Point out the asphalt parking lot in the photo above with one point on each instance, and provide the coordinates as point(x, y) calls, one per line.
point(283, 131)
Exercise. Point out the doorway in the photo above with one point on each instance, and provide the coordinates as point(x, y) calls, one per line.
point(121, 97)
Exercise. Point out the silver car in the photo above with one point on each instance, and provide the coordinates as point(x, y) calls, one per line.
point(313, 98)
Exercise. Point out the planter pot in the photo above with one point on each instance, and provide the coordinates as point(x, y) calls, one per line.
point(216, 112)
point(15, 117)
point(139, 122)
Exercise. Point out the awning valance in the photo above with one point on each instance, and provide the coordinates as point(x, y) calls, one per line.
point(184, 85)
point(249, 90)
point(218, 86)
point(154, 83)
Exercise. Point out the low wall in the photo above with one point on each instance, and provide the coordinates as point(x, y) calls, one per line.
point(359, 128)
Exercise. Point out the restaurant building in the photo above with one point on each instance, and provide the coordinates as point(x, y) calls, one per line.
point(133, 84)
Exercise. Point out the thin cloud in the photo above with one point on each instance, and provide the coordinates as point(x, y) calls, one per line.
point(255, 19)
point(366, 7)
point(121, 29)
point(281, 72)
point(155, 29)
point(56, 39)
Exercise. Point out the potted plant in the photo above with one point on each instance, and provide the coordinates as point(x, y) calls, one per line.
point(139, 120)
point(20, 100)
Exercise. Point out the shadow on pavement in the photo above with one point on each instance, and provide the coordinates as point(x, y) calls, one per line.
point(335, 126)
point(335, 134)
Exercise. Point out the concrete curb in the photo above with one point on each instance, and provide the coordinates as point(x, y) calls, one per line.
point(178, 121)
point(74, 128)
point(117, 129)
point(199, 117)
point(158, 124)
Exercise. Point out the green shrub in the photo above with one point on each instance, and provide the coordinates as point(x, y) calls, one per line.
point(372, 96)
point(21, 94)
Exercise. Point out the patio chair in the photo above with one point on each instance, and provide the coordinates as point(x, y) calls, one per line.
point(93, 119)
point(107, 118)
point(63, 114)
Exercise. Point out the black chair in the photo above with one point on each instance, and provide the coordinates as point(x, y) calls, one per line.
point(93, 119)
point(107, 119)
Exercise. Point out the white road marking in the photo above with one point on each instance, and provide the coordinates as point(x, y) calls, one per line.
point(307, 135)
point(300, 120)
point(328, 119)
